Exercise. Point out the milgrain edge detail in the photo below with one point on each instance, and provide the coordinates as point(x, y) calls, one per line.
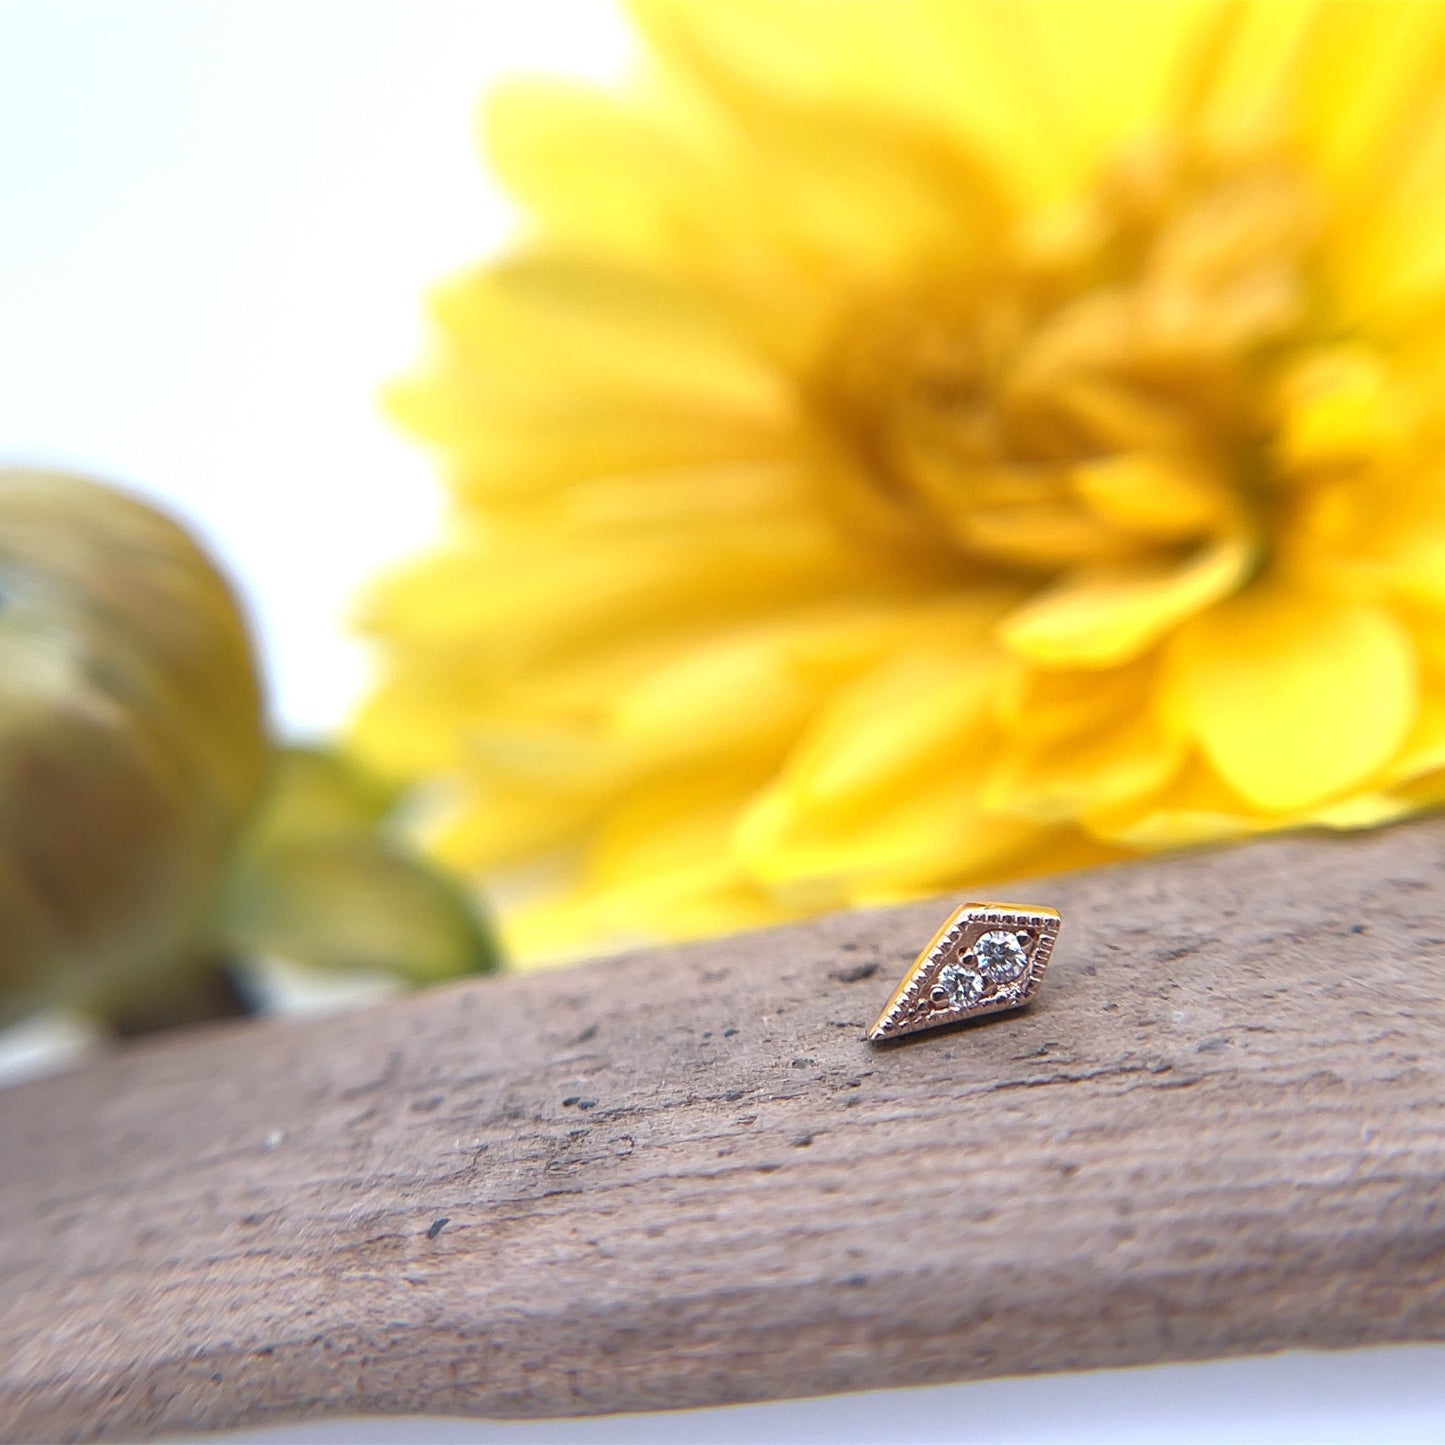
point(911, 1009)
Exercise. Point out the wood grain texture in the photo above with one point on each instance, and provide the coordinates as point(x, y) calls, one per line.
point(682, 1177)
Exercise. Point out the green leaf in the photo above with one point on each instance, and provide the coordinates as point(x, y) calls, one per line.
point(321, 881)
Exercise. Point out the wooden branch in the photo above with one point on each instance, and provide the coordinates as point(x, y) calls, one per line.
point(683, 1178)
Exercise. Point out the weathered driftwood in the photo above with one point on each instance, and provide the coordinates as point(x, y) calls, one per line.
point(683, 1177)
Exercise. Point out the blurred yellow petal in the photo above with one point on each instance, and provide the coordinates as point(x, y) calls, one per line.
point(1370, 107)
point(1197, 807)
point(1389, 60)
point(1158, 496)
point(939, 70)
point(1248, 70)
point(917, 834)
point(1423, 751)
point(582, 596)
point(1105, 616)
point(935, 702)
point(753, 688)
point(679, 500)
point(663, 856)
point(838, 795)
point(1294, 697)
point(500, 454)
point(1116, 417)
point(560, 928)
point(1048, 532)
point(624, 180)
point(614, 332)
point(1402, 551)
point(1045, 82)
point(1397, 267)
point(487, 829)
point(907, 423)
point(672, 837)
point(1338, 406)
point(547, 358)
point(1193, 807)
point(1037, 705)
point(1059, 780)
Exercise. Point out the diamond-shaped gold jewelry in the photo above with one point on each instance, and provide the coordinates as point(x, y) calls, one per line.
point(986, 958)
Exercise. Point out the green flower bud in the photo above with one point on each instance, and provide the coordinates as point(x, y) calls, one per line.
point(132, 745)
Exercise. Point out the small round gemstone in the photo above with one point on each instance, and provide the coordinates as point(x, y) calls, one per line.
point(964, 986)
point(1001, 956)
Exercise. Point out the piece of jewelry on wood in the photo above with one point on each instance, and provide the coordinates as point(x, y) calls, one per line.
point(986, 958)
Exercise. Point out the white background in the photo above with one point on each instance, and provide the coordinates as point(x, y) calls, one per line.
point(217, 226)
point(217, 222)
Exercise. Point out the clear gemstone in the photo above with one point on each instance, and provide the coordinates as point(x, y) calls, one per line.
point(1001, 956)
point(964, 986)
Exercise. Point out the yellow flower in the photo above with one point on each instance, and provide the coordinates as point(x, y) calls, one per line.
point(924, 443)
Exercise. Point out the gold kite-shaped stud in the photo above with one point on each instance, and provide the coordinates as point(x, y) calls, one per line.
point(987, 957)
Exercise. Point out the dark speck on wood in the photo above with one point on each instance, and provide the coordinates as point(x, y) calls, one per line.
point(436, 1226)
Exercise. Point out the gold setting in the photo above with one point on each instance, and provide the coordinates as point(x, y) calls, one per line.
point(972, 968)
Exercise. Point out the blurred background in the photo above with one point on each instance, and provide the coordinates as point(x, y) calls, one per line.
point(220, 219)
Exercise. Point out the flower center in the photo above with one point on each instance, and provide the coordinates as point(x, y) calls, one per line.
point(1093, 387)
